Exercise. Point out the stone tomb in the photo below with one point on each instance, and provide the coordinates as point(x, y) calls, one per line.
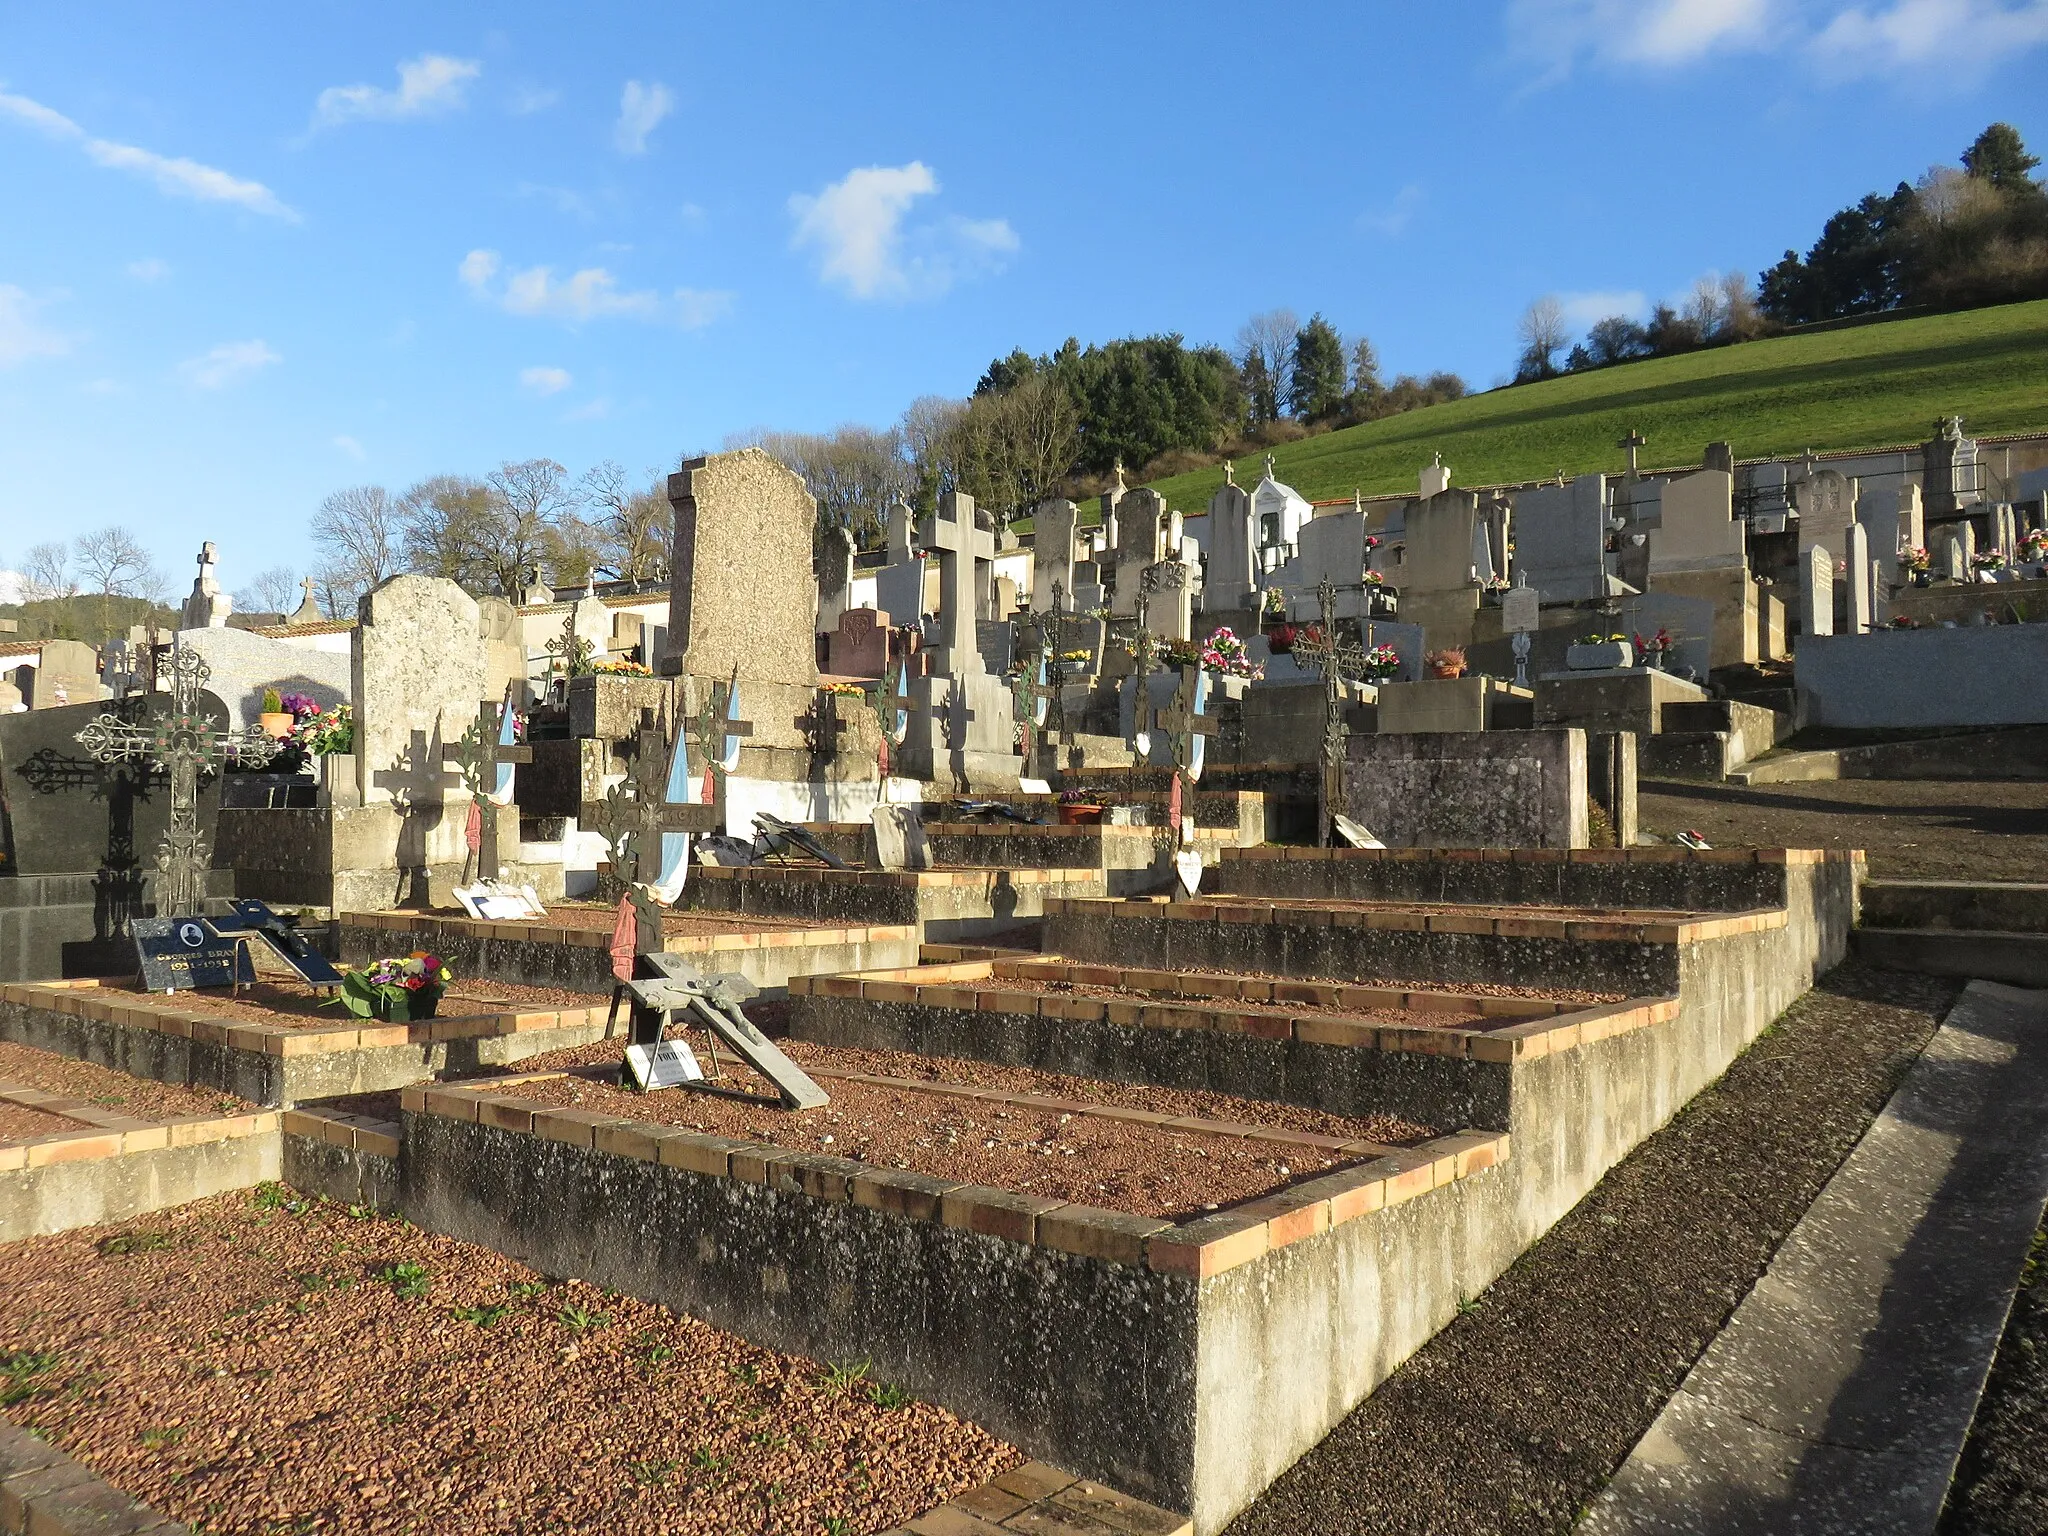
point(859, 645)
point(69, 673)
point(1470, 789)
point(246, 664)
point(960, 730)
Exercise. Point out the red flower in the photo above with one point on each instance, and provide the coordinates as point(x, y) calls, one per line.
point(414, 983)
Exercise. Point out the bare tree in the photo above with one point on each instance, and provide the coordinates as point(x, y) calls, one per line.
point(1265, 351)
point(442, 524)
point(531, 506)
point(930, 435)
point(113, 563)
point(1741, 320)
point(47, 572)
point(633, 527)
point(358, 534)
point(1706, 311)
point(1542, 332)
point(273, 591)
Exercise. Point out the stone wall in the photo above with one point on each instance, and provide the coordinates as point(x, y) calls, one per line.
point(1470, 789)
point(1917, 678)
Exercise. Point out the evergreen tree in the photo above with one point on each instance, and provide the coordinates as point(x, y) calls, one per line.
point(2000, 158)
point(1315, 387)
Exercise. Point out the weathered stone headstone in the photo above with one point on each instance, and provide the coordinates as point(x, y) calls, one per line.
point(900, 838)
point(859, 647)
point(1955, 553)
point(899, 585)
point(1233, 563)
point(1167, 597)
point(1147, 532)
point(308, 611)
point(1856, 573)
point(1688, 622)
point(1434, 479)
point(1827, 505)
point(1052, 551)
point(417, 673)
point(590, 620)
point(504, 643)
point(1561, 540)
point(1817, 592)
point(1719, 457)
point(1951, 472)
point(1699, 530)
point(961, 720)
point(835, 577)
point(69, 674)
point(208, 607)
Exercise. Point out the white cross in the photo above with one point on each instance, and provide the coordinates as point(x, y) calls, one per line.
point(962, 546)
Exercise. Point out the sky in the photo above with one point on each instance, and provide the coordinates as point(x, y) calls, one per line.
point(252, 254)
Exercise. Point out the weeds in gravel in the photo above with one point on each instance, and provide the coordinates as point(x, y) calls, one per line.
point(20, 1374)
point(133, 1242)
point(527, 1290)
point(709, 1467)
point(653, 1354)
point(845, 1375)
point(280, 1197)
point(650, 1474)
point(162, 1437)
point(313, 1281)
point(838, 1525)
point(577, 1320)
point(408, 1281)
point(887, 1394)
point(482, 1317)
point(745, 1373)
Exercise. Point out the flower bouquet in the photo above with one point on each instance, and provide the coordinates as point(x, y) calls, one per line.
point(619, 667)
point(1987, 560)
point(1653, 650)
point(1381, 663)
point(325, 731)
point(1223, 653)
point(396, 990)
point(1445, 663)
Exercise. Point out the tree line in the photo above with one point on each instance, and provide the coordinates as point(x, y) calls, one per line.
point(1959, 238)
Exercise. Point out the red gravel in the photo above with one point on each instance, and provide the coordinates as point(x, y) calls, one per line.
point(1065, 1154)
point(242, 1367)
point(26, 1067)
point(18, 1123)
point(290, 1003)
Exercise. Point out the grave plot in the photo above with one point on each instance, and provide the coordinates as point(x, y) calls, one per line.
point(942, 904)
point(211, 1361)
point(571, 948)
point(80, 1143)
point(278, 1043)
point(1133, 859)
point(1340, 1048)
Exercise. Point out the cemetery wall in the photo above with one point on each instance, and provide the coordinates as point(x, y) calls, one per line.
point(1470, 789)
point(1967, 602)
point(1915, 678)
point(113, 1176)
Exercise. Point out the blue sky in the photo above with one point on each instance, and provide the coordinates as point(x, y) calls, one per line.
point(251, 254)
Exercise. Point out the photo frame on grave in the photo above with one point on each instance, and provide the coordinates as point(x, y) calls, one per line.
point(283, 939)
point(183, 954)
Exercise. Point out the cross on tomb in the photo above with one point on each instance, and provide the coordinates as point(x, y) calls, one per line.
point(715, 1001)
point(419, 774)
point(821, 724)
point(717, 734)
point(1630, 445)
point(488, 753)
point(188, 744)
point(1187, 729)
point(639, 817)
point(892, 709)
point(571, 651)
point(1340, 662)
point(961, 544)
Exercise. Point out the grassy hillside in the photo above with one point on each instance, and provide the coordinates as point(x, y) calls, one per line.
point(1863, 387)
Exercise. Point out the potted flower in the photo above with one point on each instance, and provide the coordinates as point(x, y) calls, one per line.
point(324, 732)
point(1917, 563)
point(2034, 547)
point(1280, 639)
point(276, 721)
point(1381, 663)
point(1077, 810)
point(1445, 663)
point(396, 990)
point(1599, 653)
point(1654, 649)
point(1987, 564)
point(1224, 654)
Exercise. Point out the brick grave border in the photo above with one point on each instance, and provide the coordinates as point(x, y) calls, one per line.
point(579, 959)
point(271, 1064)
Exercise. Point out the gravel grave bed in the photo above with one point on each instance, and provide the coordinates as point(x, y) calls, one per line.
point(2001, 1483)
point(26, 1067)
point(596, 917)
point(1455, 988)
point(1510, 1421)
point(1447, 1019)
point(21, 1124)
point(263, 1362)
point(291, 1004)
point(1912, 829)
point(1137, 1168)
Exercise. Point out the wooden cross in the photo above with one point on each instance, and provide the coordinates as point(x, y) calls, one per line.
point(488, 753)
point(187, 742)
point(636, 822)
point(717, 733)
point(1340, 663)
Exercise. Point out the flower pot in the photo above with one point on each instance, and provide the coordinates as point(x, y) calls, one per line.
point(277, 725)
point(1923, 578)
point(1080, 815)
point(1442, 670)
point(1280, 639)
point(1607, 655)
point(408, 1006)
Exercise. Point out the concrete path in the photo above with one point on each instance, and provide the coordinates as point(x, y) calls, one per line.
point(1837, 1398)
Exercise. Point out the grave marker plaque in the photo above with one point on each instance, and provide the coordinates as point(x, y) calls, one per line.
point(178, 954)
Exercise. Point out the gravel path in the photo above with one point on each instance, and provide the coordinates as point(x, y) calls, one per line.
point(260, 1363)
point(1913, 829)
point(2001, 1487)
point(1510, 1420)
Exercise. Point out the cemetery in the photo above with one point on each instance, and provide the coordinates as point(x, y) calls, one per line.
point(1077, 1016)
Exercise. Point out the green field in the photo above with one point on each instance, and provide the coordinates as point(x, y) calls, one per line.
point(1865, 386)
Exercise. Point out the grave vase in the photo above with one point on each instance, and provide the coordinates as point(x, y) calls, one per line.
point(277, 724)
point(1077, 815)
point(408, 1006)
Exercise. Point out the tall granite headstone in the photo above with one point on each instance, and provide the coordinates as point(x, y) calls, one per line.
point(1817, 591)
point(1233, 569)
point(418, 671)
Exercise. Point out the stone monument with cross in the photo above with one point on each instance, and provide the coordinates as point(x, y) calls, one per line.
point(962, 723)
point(647, 820)
point(1187, 726)
point(208, 607)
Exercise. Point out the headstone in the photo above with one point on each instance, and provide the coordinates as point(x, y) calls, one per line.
point(1519, 608)
point(835, 577)
point(243, 665)
point(1052, 551)
point(591, 621)
point(1698, 530)
point(504, 643)
point(1561, 539)
point(1167, 598)
point(1004, 604)
point(1912, 517)
point(1770, 497)
point(208, 607)
point(1827, 506)
point(1434, 479)
point(963, 549)
point(1439, 540)
point(961, 716)
point(899, 838)
point(1719, 457)
point(1329, 548)
point(899, 585)
point(69, 674)
point(1856, 571)
point(1687, 622)
point(418, 671)
point(1233, 574)
point(1147, 532)
point(1955, 553)
point(179, 953)
point(1483, 569)
point(308, 611)
point(1817, 592)
point(859, 647)
point(1950, 473)
point(1111, 505)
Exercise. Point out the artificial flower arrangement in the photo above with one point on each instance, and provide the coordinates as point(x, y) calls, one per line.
point(1988, 560)
point(399, 990)
point(619, 667)
point(1273, 606)
point(1915, 559)
point(324, 731)
point(1381, 663)
point(1656, 645)
point(1225, 655)
point(1373, 579)
point(1596, 638)
point(1445, 663)
point(2034, 545)
point(1077, 655)
point(846, 690)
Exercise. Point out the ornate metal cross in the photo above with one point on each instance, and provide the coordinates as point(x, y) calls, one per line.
point(1341, 663)
point(633, 817)
point(488, 753)
point(188, 744)
point(1186, 726)
point(717, 733)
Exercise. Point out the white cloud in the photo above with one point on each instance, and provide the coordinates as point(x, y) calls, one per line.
point(1666, 33)
point(431, 83)
point(528, 99)
point(566, 200)
point(595, 410)
point(149, 270)
point(856, 225)
point(175, 176)
point(641, 107)
point(1583, 309)
point(229, 361)
point(349, 446)
point(545, 381)
point(22, 335)
point(1965, 35)
point(591, 293)
point(1395, 217)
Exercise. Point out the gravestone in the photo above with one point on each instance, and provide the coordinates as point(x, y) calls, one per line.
point(417, 672)
point(1856, 572)
point(900, 841)
point(591, 621)
point(1147, 532)
point(1951, 472)
point(629, 634)
point(1699, 530)
point(1827, 505)
point(1719, 457)
point(1521, 616)
point(1438, 588)
point(1912, 518)
point(208, 607)
point(859, 647)
point(1688, 621)
point(1052, 550)
point(308, 611)
point(180, 953)
point(1817, 592)
point(1233, 572)
point(1167, 597)
point(961, 717)
point(1329, 548)
point(899, 585)
point(1434, 479)
point(835, 577)
point(243, 665)
point(69, 674)
point(1770, 497)
point(1470, 789)
point(1561, 540)
point(504, 643)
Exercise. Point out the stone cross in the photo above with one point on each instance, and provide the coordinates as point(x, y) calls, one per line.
point(962, 547)
point(208, 607)
point(308, 611)
point(1185, 722)
point(821, 725)
point(186, 742)
point(1630, 445)
point(489, 752)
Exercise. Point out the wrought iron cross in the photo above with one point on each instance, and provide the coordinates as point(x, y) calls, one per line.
point(717, 734)
point(488, 754)
point(633, 816)
point(188, 744)
point(1341, 663)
